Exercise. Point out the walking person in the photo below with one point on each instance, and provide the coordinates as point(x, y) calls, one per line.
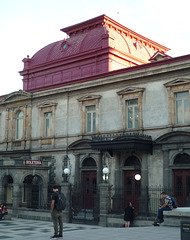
point(129, 215)
point(166, 206)
point(57, 215)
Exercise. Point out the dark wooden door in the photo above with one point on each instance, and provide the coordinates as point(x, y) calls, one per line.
point(89, 189)
point(181, 186)
point(131, 189)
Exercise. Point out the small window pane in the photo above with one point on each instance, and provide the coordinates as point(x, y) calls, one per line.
point(179, 116)
point(91, 119)
point(132, 114)
point(48, 124)
point(19, 125)
point(94, 121)
point(182, 108)
point(182, 95)
point(88, 122)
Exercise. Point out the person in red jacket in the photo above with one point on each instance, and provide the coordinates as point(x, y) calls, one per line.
point(3, 210)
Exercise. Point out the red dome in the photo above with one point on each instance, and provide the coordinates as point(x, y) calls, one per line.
point(95, 46)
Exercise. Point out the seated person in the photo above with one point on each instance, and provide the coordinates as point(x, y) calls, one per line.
point(167, 206)
point(1, 208)
point(3, 211)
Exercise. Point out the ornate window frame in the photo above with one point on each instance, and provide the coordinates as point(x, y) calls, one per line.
point(128, 94)
point(47, 108)
point(176, 86)
point(87, 101)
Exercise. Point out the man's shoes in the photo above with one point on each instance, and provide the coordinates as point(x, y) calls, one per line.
point(60, 236)
point(156, 224)
point(54, 237)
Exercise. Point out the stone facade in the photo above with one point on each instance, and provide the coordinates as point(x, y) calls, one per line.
point(86, 125)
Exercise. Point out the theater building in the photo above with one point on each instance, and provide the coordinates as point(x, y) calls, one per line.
point(106, 98)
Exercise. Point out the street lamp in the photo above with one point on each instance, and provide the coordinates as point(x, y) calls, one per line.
point(67, 173)
point(137, 177)
point(105, 174)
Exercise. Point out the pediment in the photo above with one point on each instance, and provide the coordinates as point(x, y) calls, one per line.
point(130, 90)
point(178, 81)
point(89, 97)
point(158, 56)
point(80, 144)
point(47, 104)
point(16, 96)
point(174, 137)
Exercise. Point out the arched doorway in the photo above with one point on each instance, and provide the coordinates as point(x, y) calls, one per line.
point(182, 178)
point(132, 187)
point(8, 189)
point(89, 183)
point(32, 191)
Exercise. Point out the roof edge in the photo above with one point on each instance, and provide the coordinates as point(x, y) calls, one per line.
point(105, 20)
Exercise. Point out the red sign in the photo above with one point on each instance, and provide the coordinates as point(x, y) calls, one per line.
point(33, 162)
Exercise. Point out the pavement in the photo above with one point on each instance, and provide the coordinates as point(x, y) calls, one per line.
point(22, 229)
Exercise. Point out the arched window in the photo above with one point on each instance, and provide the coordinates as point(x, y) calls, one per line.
point(132, 161)
point(89, 162)
point(19, 125)
point(182, 159)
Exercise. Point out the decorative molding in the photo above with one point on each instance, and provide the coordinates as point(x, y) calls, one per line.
point(89, 97)
point(178, 81)
point(130, 90)
point(16, 96)
point(46, 104)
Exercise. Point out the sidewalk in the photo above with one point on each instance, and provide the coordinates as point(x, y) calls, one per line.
point(18, 229)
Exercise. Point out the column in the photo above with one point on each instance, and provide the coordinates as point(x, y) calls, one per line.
point(167, 174)
point(99, 169)
point(144, 198)
point(44, 193)
point(77, 183)
point(118, 196)
point(66, 189)
point(16, 195)
point(105, 203)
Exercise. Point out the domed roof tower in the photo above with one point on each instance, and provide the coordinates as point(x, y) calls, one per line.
point(96, 46)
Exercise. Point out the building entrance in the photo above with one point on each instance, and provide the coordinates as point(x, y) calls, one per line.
point(32, 192)
point(89, 189)
point(132, 189)
point(182, 179)
point(182, 186)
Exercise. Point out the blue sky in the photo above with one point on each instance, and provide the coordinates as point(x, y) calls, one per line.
point(28, 25)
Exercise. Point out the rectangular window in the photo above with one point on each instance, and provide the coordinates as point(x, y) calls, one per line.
point(19, 125)
point(48, 124)
point(182, 107)
point(91, 119)
point(132, 114)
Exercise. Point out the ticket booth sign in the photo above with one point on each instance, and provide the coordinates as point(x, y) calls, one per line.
point(33, 162)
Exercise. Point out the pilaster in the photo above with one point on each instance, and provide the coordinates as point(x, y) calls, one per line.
point(66, 189)
point(105, 203)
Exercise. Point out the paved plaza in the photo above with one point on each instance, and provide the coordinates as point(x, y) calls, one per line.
point(21, 229)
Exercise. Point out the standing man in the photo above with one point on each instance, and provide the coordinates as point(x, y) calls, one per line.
point(57, 215)
point(166, 206)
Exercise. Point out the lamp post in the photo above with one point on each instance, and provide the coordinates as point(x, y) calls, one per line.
point(105, 174)
point(138, 173)
point(67, 173)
